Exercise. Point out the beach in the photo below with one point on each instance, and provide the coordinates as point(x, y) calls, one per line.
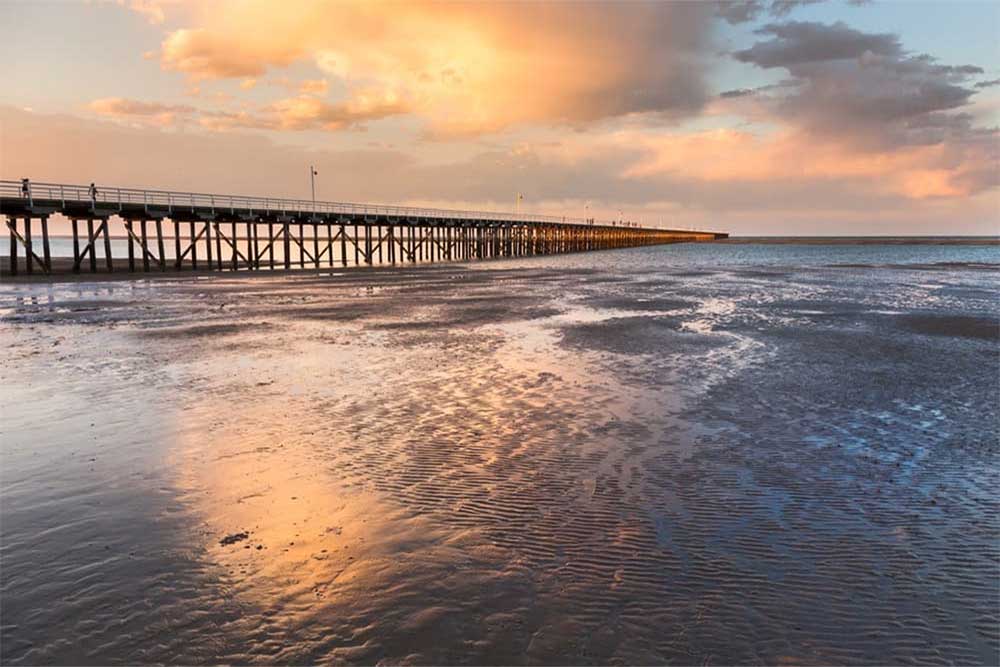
point(727, 453)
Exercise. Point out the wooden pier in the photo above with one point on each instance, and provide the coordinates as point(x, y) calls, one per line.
point(183, 231)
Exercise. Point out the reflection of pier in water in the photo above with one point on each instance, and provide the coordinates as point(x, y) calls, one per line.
point(189, 231)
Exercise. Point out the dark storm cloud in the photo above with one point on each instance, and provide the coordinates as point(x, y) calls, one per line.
point(864, 86)
point(739, 92)
point(784, 7)
point(798, 42)
point(744, 11)
point(739, 11)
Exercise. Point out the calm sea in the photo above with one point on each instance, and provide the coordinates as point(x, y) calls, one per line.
point(811, 250)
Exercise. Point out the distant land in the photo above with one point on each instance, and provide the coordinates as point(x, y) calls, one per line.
point(866, 240)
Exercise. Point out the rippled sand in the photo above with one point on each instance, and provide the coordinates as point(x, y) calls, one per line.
point(600, 460)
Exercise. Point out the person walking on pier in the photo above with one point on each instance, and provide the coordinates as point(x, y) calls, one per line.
point(26, 188)
point(93, 197)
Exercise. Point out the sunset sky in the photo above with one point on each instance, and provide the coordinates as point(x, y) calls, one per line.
point(757, 117)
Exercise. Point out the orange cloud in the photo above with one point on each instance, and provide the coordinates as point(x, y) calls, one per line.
point(152, 10)
point(207, 55)
point(296, 113)
point(314, 87)
point(915, 172)
point(149, 113)
point(303, 112)
point(468, 67)
point(789, 156)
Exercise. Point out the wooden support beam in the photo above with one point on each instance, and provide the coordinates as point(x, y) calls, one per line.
point(378, 246)
point(402, 242)
point(12, 226)
point(90, 245)
point(270, 244)
point(108, 261)
point(315, 231)
point(439, 250)
point(252, 245)
point(213, 249)
point(233, 242)
point(343, 244)
point(322, 253)
point(329, 244)
point(218, 248)
point(46, 254)
point(131, 251)
point(177, 245)
point(146, 256)
point(287, 245)
point(302, 255)
point(193, 247)
point(419, 237)
point(76, 244)
point(237, 255)
point(29, 253)
point(144, 245)
point(159, 244)
point(269, 248)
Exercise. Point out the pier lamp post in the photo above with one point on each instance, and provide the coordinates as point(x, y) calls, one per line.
point(312, 182)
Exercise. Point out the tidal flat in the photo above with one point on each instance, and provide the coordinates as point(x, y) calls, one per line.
point(691, 454)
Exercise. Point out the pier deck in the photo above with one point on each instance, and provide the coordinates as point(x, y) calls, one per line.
point(177, 231)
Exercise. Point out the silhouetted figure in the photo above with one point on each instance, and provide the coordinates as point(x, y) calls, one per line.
point(93, 197)
point(25, 188)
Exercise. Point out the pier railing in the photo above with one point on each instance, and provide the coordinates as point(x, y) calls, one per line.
point(170, 201)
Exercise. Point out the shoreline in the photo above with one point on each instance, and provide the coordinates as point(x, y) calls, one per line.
point(62, 265)
point(64, 275)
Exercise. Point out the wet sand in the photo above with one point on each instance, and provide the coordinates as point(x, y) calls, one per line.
point(620, 458)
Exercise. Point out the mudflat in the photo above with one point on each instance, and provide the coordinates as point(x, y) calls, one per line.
point(708, 454)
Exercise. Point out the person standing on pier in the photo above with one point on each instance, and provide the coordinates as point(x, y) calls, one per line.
point(93, 197)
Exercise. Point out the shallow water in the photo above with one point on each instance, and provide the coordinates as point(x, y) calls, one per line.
point(696, 454)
